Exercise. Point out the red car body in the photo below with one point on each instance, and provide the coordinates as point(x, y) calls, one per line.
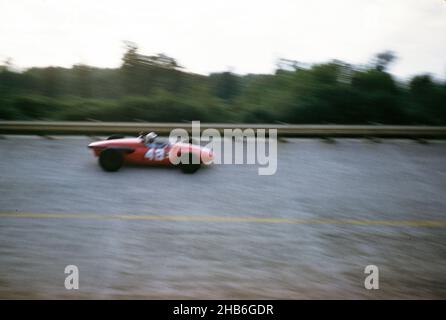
point(137, 151)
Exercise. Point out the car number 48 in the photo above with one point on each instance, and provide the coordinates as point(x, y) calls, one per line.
point(155, 154)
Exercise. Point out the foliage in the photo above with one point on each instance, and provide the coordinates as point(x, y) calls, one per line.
point(155, 88)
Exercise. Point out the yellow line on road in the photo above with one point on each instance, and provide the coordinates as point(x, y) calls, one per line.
point(387, 223)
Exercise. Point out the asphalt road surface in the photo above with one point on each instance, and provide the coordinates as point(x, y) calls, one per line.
point(308, 231)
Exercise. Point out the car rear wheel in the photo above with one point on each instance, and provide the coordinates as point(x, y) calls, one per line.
point(111, 160)
point(192, 166)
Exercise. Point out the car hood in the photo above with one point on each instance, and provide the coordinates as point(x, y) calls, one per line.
point(125, 142)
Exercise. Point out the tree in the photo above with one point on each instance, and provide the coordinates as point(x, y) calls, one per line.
point(82, 80)
point(384, 59)
point(142, 73)
point(224, 85)
point(287, 65)
point(130, 58)
point(428, 99)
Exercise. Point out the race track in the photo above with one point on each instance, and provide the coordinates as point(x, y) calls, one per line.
point(225, 232)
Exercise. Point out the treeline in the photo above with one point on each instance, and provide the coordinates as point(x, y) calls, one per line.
point(155, 88)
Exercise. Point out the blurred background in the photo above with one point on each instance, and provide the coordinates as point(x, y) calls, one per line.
point(155, 88)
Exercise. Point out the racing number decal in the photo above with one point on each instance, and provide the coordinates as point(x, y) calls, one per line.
point(150, 154)
point(159, 154)
point(156, 154)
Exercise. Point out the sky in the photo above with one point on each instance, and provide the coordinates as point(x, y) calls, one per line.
point(243, 36)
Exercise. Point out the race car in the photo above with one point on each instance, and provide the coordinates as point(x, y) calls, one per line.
point(148, 149)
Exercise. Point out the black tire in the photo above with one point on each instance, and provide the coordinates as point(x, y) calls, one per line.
point(115, 136)
point(111, 160)
point(190, 167)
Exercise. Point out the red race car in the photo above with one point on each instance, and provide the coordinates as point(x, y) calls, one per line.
point(147, 149)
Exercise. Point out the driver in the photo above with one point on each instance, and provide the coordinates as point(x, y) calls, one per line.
point(150, 137)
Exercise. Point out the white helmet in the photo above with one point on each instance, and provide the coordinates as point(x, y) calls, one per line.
point(150, 137)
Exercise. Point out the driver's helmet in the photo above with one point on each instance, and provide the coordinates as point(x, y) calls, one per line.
point(150, 137)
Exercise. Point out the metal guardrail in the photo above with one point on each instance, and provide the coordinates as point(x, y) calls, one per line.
point(68, 127)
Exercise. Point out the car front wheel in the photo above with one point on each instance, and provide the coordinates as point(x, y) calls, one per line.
point(111, 160)
point(192, 166)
